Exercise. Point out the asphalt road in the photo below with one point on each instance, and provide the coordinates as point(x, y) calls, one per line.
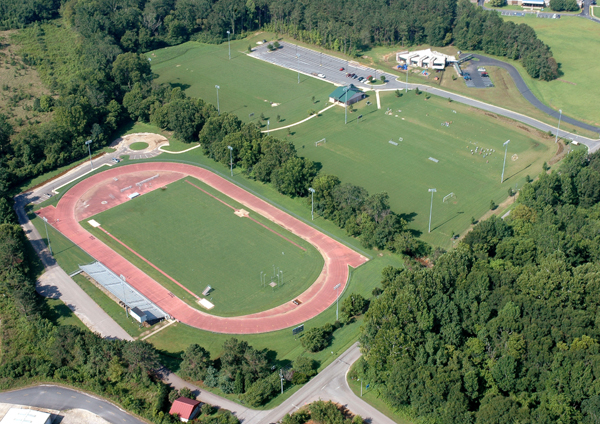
point(56, 397)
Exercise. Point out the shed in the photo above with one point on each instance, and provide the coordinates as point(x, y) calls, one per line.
point(26, 416)
point(187, 409)
point(339, 95)
point(139, 315)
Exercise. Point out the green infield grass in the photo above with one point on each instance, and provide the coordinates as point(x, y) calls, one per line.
point(138, 145)
point(571, 40)
point(248, 86)
point(199, 241)
point(361, 153)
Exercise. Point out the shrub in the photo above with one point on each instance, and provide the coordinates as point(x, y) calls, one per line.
point(276, 45)
point(493, 205)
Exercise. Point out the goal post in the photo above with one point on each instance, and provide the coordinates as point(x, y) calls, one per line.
point(449, 196)
point(323, 140)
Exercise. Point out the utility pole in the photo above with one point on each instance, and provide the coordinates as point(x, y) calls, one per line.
point(558, 128)
point(431, 190)
point(47, 236)
point(298, 57)
point(229, 44)
point(503, 165)
point(231, 159)
point(87, 143)
point(346, 105)
point(312, 202)
point(281, 379)
point(337, 306)
point(218, 108)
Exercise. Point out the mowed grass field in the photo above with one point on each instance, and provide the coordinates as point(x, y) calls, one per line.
point(247, 85)
point(199, 241)
point(360, 153)
point(574, 42)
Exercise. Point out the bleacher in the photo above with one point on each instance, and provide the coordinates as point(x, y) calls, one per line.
point(123, 291)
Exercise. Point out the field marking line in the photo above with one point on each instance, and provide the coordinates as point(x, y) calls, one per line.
point(160, 329)
point(378, 99)
point(299, 122)
point(149, 263)
point(252, 219)
point(177, 153)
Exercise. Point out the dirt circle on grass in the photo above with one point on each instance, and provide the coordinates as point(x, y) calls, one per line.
point(153, 142)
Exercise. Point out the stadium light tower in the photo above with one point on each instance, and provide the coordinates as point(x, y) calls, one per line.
point(268, 122)
point(87, 143)
point(231, 159)
point(337, 306)
point(312, 203)
point(229, 44)
point(298, 57)
point(47, 237)
point(218, 108)
point(558, 128)
point(431, 190)
point(505, 150)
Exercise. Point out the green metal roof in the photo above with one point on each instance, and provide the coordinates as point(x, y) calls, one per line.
point(339, 93)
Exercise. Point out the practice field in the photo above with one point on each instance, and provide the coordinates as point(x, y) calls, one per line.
point(361, 153)
point(199, 241)
point(247, 85)
point(573, 42)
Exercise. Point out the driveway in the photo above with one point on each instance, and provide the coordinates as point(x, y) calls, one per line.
point(60, 398)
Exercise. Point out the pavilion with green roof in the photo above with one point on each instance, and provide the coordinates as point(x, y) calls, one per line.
point(339, 95)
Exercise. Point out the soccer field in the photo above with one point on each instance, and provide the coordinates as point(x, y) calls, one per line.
point(199, 241)
point(361, 153)
point(247, 85)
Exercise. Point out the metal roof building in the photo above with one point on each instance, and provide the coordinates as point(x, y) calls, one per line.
point(187, 409)
point(26, 416)
point(339, 95)
point(425, 59)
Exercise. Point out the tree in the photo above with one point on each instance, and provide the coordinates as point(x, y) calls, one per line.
point(497, 3)
point(276, 45)
point(294, 176)
point(354, 305)
point(195, 362)
point(382, 78)
point(316, 339)
point(142, 355)
point(129, 68)
point(493, 205)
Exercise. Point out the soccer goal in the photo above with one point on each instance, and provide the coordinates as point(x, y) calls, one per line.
point(448, 197)
point(323, 140)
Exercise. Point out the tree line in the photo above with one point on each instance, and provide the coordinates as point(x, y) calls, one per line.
point(503, 328)
point(349, 26)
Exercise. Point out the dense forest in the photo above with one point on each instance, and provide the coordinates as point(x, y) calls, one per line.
point(505, 327)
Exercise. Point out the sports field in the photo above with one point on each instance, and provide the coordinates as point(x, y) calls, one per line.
point(572, 41)
point(247, 86)
point(361, 153)
point(199, 241)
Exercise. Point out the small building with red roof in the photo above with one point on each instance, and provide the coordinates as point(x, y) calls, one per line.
point(187, 409)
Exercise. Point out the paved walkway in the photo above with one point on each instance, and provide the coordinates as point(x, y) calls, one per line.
point(316, 299)
point(56, 284)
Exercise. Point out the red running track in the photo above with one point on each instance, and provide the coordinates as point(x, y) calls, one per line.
point(73, 207)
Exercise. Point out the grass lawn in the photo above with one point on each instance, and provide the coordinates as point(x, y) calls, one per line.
point(372, 397)
point(138, 145)
point(202, 242)
point(68, 255)
point(571, 40)
point(247, 85)
point(360, 153)
point(60, 314)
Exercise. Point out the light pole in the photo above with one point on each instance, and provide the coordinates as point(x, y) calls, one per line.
point(558, 128)
point(503, 165)
point(218, 108)
point(47, 236)
point(87, 143)
point(406, 88)
point(229, 44)
point(298, 57)
point(312, 203)
point(268, 122)
point(346, 105)
point(431, 190)
point(231, 159)
point(337, 299)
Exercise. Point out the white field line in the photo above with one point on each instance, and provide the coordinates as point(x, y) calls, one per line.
point(299, 122)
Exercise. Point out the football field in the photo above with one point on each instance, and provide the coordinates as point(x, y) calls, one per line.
point(189, 233)
point(421, 144)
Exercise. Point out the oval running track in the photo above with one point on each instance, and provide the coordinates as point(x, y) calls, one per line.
point(316, 299)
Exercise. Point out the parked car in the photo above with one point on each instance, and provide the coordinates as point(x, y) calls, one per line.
point(116, 160)
point(360, 78)
point(481, 69)
point(485, 75)
point(321, 75)
point(355, 76)
point(341, 69)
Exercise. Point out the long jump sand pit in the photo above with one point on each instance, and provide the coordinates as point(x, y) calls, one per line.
point(106, 189)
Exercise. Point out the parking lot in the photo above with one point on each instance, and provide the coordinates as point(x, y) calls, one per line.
point(477, 79)
point(316, 64)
